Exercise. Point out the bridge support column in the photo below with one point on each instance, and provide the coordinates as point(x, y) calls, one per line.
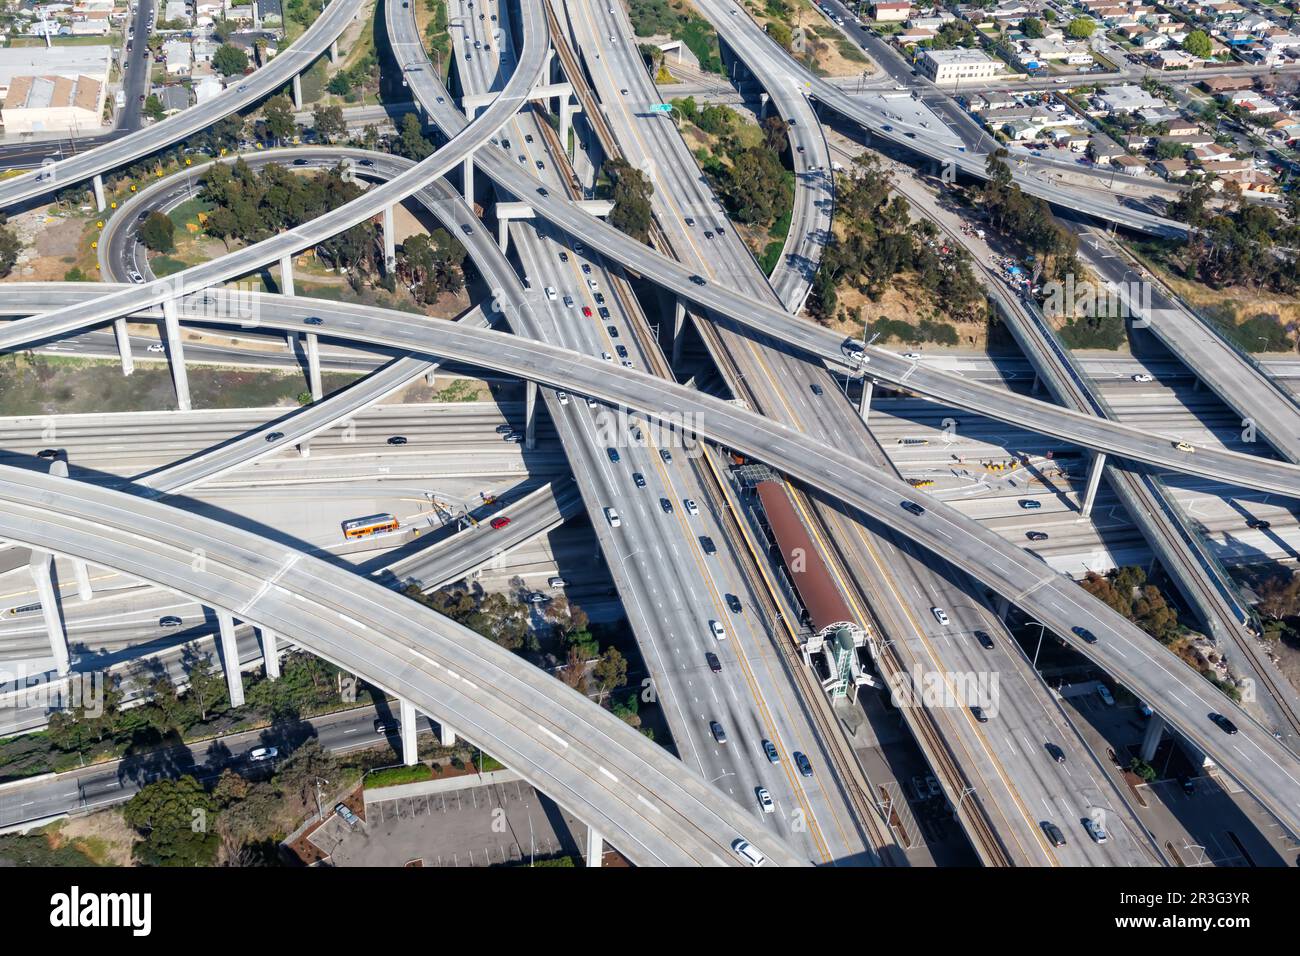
point(297, 91)
point(230, 658)
point(334, 51)
point(566, 124)
point(98, 182)
point(530, 415)
point(467, 180)
point(390, 241)
point(864, 402)
point(679, 329)
point(313, 367)
point(410, 750)
point(1094, 479)
point(762, 106)
point(59, 469)
point(270, 653)
point(1002, 607)
point(176, 354)
point(446, 735)
point(503, 235)
point(123, 346)
point(286, 275)
point(41, 566)
point(1151, 739)
point(595, 847)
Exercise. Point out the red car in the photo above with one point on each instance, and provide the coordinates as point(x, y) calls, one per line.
point(586, 310)
point(499, 523)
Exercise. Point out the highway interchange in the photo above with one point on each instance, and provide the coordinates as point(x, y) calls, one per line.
point(820, 443)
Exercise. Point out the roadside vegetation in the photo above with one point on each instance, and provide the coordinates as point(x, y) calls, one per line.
point(676, 18)
point(879, 248)
point(583, 655)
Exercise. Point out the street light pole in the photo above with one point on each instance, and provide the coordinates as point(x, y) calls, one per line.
point(1041, 629)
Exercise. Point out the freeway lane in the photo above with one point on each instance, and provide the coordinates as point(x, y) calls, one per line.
point(636, 795)
point(121, 151)
point(1180, 695)
point(1136, 444)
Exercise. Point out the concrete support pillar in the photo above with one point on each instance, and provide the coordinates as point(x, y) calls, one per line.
point(1038, 384)
point(100, 203)
point(595, 847)
point(313, 366)
point(503, 235)
point(566, 123)
point(270, 653)
point(42, 568)
point(762, 106)
point(390, 242)
point(297, 93)
point(446, 735)
point(230, 658)
point(1094, 479)
point(864, 402)
point(286, 275)
point(679, 329)
point(59, 469)
point(176, 354)
point(467, 180)
point(334, 51)
point(1151, 739)
point(123, 346)
point(1002, 607)
point(410, 751)
point(530, 415)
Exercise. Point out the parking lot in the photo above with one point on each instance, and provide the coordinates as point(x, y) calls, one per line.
point(481, 825)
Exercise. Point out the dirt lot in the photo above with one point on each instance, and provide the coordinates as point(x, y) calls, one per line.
point(51, 245)
point(823, 47)
point(103, 837)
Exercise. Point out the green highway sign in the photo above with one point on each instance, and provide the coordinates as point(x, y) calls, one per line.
point(662, 107)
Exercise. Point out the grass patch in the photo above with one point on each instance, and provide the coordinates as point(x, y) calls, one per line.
point(166, 265)
point(395, 776)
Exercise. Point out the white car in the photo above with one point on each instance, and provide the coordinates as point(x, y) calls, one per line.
point(611, 515)
point(1095, 830)
point(606, 356)
point(591, 284)
point(912, 356)
point(746, 851)
point(1143, 377)
point(563, 397)
point(155, 348)
point(550, 292)
point(692, 508)
point(263, 753)
point(940, 615)
point(719, 632)
point(627, 363)
point(765, 800)
point(136, 277)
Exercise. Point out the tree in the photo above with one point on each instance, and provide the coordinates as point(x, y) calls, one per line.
point(631, 193)
point(278, 116)
point(153, 107)
point(158, 233)
point(1081, 28)
point(411, 142)
point(340, 83)
point(174, 816)
point(776, 133)
point(207, 688)
point(609, 672)
point(755, 186)
point(1198, 44)
point(9, 247)
point(229, 60)
point(1032, 27)
point(328, 122)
